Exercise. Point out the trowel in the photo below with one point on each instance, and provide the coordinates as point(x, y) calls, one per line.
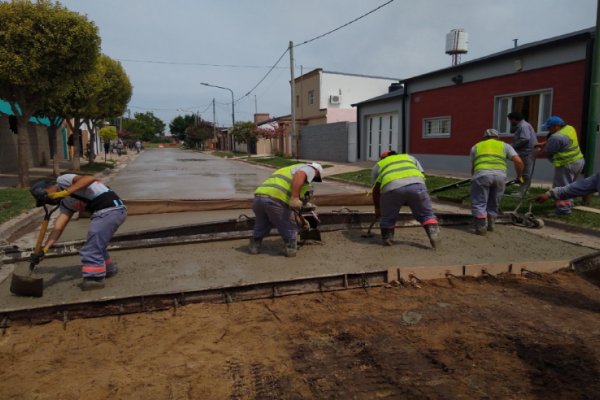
point(29, 285)
point(308, 221)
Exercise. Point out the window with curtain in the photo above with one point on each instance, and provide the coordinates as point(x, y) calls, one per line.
point(535, 107)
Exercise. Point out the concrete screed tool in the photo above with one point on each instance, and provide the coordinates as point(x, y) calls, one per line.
point(28, 285)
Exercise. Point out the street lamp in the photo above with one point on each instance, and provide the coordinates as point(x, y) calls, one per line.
point(232, 108)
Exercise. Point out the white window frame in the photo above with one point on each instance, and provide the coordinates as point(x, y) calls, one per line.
point(500, 119)
point(438, 121)
point(311, 97)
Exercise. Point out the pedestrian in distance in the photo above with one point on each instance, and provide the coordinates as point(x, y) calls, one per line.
point(488, 179)
point(562, 148)
point(77, 193)
point(119, 145)
point(583, 187)
point(277, 202)
point(524, 141)
point(398, 179)
point(138, 146)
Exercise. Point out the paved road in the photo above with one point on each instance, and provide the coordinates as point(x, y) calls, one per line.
point(180, 174)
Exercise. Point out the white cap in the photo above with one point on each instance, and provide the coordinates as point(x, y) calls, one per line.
point(318, 167)
point(491, 133)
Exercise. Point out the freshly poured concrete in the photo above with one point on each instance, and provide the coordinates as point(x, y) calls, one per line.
point(178, 174)
point(227, 263)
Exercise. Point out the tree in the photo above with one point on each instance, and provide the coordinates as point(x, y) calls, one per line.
point(179, 124)
point(245, 132)
point(108, 133)
point(43, 46)
point(145, 126)
point(196, 134)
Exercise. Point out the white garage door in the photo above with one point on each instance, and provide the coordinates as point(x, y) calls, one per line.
point(382, 135)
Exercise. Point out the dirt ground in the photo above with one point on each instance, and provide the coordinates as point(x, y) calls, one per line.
point(505, 338)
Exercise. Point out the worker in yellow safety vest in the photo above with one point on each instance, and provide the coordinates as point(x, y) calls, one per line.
point(489, 166)
point(562, 148)
point(398, 179)
point(277, 201)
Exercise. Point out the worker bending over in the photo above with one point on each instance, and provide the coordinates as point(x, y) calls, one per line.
point(398, 179)
point(489, 166)
point(79, 193)
point(562, 148)
point(277, 202)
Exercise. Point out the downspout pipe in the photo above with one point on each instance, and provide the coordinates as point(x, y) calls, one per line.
point(404, 119)
point(594, 102)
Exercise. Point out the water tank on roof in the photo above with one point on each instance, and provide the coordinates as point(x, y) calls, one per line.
point(457, 42)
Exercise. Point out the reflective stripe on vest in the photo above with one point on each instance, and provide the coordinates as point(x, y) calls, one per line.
point(489, 154)
point(397, 166)
point(571, 153)
point(279, 185)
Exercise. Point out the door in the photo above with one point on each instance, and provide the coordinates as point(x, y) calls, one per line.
point(382, 135)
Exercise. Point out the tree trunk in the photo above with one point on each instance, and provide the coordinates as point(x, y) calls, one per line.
point(53, 133)
point(23, 151)
point(74, 126)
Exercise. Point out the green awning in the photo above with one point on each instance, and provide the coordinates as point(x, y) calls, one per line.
point(5, 109)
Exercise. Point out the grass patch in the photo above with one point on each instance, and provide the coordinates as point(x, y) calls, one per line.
point(360, 177)
point(97, 166)
point(13, 202)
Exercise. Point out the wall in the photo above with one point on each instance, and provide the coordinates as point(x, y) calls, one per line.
point(39, 147)
point(351, 88)
point(327, 142)
point(471, 105)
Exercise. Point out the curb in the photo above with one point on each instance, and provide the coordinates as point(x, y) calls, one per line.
point(572, 228)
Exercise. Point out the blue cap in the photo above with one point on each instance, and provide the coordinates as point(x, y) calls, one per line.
point(553, 120)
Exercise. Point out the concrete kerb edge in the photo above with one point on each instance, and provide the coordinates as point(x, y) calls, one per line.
point(571, 228)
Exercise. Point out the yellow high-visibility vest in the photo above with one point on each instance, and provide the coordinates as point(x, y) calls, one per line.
point(397, 166)
point(279, 185)
point(490, 154)
point(571, 153)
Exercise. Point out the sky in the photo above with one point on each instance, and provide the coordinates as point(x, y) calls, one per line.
point(169, 47)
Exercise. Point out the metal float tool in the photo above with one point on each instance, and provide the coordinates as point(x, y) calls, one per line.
point(29, 285)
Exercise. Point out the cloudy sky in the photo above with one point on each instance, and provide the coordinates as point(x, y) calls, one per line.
point(169, 47)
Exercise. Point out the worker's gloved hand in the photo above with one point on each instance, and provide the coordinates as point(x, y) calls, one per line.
point(36, 258)
point(520, 180)
point(58, 195)
point(295, 203)
point(540, 198)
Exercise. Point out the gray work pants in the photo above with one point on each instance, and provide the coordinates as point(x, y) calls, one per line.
point(273, 213)
point(528, 164)
point(486, 193)
point(93, 254)
point(564, 176)
point(415, 196)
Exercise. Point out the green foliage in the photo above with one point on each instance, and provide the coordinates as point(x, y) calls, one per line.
point(111, 90)
point(196, 134)
point(144, 126)
point(108, 133)
point(43, 46)
point(245, 132)
point(13, 202)
point(179, 124)
point(97, 166)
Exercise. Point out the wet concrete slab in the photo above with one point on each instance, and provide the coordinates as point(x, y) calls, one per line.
point(179, 268)
point(171, 173)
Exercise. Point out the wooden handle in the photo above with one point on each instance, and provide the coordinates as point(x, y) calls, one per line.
point(40, 239)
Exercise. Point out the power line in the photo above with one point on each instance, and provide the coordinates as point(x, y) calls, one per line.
point(343, 26)
point(194, 64)
point(265, 76)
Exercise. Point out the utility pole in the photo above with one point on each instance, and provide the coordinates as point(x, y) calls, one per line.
point(293, 135)
point(255, 105)
point(594, 102)
point(214, 121)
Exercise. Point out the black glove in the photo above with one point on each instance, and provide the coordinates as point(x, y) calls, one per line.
point(36, 258)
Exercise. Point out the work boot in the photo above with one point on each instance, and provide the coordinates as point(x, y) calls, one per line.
point(92, 283)
point(491, 223)
point(111, 270)
point(290, 248)
point(387, 236)
point(480, 225)
point(433, 233)
point(254, 246)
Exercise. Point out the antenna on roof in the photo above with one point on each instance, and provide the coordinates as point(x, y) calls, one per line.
point(515, 42)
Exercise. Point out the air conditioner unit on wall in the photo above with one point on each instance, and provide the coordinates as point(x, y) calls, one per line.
point(335, 99)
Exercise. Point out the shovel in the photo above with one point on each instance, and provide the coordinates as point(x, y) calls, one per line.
point(369, 234)
point(28, 285)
